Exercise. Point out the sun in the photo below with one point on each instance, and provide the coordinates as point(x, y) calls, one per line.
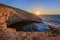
point(37, 12)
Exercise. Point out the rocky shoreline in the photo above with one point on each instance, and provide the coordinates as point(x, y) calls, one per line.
point(7, 33)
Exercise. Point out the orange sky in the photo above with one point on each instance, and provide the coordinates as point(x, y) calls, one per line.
point(42, 12)
point(51, 13)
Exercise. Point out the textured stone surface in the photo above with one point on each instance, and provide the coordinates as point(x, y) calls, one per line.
point(12, 35)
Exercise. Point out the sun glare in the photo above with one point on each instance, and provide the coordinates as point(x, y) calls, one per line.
point(37, 12)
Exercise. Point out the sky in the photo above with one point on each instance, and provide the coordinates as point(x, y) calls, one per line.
point(49, 6)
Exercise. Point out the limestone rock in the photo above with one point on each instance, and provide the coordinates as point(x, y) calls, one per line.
point(18, 14)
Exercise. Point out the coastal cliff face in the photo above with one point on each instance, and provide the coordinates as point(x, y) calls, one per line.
point(13, 15)
point(17, 14)
point(21, 15)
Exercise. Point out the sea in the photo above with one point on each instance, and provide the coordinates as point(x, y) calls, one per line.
point(51, 19)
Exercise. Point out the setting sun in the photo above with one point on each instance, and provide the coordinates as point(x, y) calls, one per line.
point(37, 12)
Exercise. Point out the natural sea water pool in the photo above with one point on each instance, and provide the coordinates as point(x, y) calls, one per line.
point(41, 27)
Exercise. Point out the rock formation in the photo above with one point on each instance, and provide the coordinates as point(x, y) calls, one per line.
point(18, 14)
point(12, 15)
point(5, 12)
